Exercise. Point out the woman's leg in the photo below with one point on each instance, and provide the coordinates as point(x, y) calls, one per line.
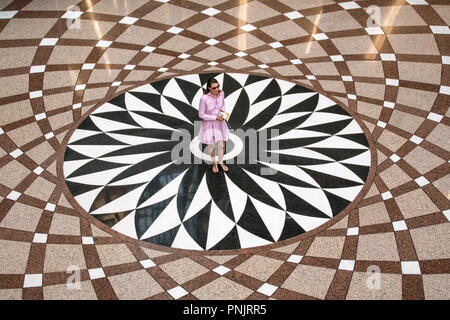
point(221, 147)
point(212, 152)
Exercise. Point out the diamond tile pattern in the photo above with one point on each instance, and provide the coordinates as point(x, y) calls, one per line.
point(364, 57)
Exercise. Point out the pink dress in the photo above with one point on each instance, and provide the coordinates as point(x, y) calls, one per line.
point(212, 130)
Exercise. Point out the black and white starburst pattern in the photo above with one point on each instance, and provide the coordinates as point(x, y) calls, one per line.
point(119, 168)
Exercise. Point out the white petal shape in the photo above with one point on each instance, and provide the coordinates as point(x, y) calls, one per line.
point(231, 100)
point(135, 104)
point(145, 88)
point(131, 158)
point(238, 198)
point(72, 166)
point(352, 128)
point(255, 89)
point(173, 90)
point(291, 100)
point(126, 202)
point(318, 118)
point(142, 177)
point(148, 123)
point(307, 223)
point(248, 240)
point(337, 142)
point(166, 192)
point(303, 152)
point(196, 99)
point(293, 171)
point(281, 118)
point(285, 85)
point(315, 197)
point(98, 178)
point(240, 77)
point(219, 226)
point(81, 134)
point(362, 159)
point(324, 103)
point(193, 78)
point(110, 125)
point(273, 218)
point(201, 198)
point(126, 226)
point(85, 200)
point(300, 133)
point(167, 220)
point(258, 108)
point(133, 140)
point(270, 187)
point(169, 109)
point(349, 193)
point(95, 151)
point(183, 240)
point(335, 169)
point(107, 107)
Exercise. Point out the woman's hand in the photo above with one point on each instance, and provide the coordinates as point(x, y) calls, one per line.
point(220, 118)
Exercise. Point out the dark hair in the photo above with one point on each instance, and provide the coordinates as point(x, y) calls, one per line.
point(208, 84)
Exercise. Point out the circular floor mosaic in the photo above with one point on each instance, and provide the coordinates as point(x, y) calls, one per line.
point(296, 159)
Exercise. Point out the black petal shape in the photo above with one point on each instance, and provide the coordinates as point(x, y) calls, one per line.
point(79, 188)
point(252, 222)
point(188, 111)
point(112, 219)
point(263, 118)
point(166, 238)
point(330, 127)
point(146, 133)
point(329, 181)
point(95, 166)
point(277, 176)
point(301, 161)
point(360, 171)
point(337, 203)
point(111, 193)
point(197, 225)
point(230, 85)
point(273, 90)
point(118, 116)
point(339, 154)
point(299, 142)
point(244, 182)
point(99, 139)
point(290, 229)
point(335, 109)
point(217, 187)
point(240, 111)
point(160, 85)
point(204, 77)
point(143, 166)
point(357, 137)
point(297, 205)
point(151, 99)
point(252, 79)
point(188, 188)
point(87, 124)
point(308, 105)
point(169, 121)
point(162, 179)
point(298, 89)
point(145, 217)
point(71, 155)
point(143, 148)
point(119, 101)
point(288, 125)
point(188, 88)
point(231, 240)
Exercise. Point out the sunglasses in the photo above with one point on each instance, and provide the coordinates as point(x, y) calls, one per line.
point(214, 88)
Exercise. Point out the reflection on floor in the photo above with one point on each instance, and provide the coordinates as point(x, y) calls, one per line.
point(86, 182)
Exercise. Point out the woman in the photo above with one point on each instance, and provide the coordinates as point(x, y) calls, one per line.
point(214, 128)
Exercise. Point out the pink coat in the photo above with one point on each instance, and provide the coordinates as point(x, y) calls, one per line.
point(212, 130)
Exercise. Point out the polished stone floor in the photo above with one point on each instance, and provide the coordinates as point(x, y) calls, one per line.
point(355, 206)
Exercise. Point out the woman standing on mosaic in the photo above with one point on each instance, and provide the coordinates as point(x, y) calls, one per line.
point(214, 128)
